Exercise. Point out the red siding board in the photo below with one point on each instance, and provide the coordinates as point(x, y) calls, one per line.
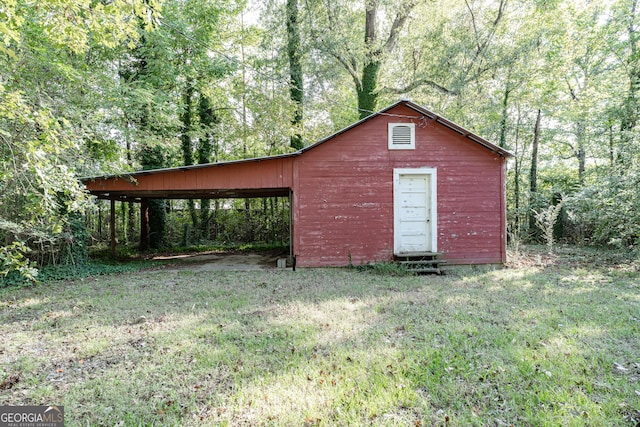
point(263, 174)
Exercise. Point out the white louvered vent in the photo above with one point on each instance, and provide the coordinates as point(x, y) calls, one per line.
point(402, 136)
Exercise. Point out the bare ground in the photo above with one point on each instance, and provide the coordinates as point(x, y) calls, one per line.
point(216, 261)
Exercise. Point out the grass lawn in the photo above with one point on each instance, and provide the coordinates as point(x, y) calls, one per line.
point(551, 340)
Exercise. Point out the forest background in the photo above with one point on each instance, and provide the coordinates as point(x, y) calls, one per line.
point(91, 87)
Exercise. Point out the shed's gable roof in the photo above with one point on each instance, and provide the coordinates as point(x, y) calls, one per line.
point(424, 113)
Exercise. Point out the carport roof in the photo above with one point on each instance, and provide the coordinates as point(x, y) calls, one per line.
point(135, 194)
point(190, 167)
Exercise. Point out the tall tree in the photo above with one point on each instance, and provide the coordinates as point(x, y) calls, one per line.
point(533, 176)
point(363, 63)
point(295, 71)
point(152, 156)
point(631, 104)
point(206, 148)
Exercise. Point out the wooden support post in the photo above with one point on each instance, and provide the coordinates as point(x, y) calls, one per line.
point(112, 227)
point(292, 256)
point(144, 224)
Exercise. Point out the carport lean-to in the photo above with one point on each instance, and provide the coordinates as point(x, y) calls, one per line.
point(249, 178)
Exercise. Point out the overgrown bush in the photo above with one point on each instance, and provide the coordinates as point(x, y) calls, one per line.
point(546, 220)
point(52, 273)
point(14, 261)
point(609, 210)
point(41, 195)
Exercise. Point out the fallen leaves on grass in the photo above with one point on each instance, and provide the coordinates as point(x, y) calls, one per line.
point(10, 381)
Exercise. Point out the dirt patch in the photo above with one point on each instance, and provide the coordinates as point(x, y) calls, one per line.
point(216, 261)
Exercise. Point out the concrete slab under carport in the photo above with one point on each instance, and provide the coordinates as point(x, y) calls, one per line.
point(223, 261)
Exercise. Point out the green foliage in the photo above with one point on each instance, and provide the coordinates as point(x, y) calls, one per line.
point(608, 211)
point(157, 223)
point(265, 222)
point(40, 189)
point(295, 69)
point(152, 156)
point(52, 273)
point(49, 77)
point(546, 220)
point(76, 251)
point(13, 260)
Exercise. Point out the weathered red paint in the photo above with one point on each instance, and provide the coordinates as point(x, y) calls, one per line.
point(342, 190)
point(344, 195)
point(268, 173)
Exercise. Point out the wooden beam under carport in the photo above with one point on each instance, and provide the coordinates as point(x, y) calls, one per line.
point(112, 227)
point(136, 195)
point(144, 224)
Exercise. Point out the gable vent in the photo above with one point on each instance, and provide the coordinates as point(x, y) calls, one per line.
point(401, 136)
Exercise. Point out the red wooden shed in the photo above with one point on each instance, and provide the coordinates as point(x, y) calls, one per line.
point(400, 182)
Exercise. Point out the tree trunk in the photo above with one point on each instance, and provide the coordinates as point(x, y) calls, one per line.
point(208, 120)
point(130, 230)
point(153, 212)
point(612, 151)
point(295, 71)
point(367, 93)
point(630, 112)
point(112, 227)
point(580, 150)
point(187, 144)
point(249, 236)
point(185, 118)
point(516, 177)
point(630, 105)
point(144, 224)
point(157, 223)
point(366, 79)
point(533, 176)
point(505, 116)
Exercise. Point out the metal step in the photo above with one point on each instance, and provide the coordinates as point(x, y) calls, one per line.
point(418, 254)
point(423, 262)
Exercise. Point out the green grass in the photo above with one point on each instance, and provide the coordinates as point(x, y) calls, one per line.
point(552, 340)
point(94, 267)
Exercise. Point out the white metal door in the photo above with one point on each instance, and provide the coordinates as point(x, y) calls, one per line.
point(415, 213)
